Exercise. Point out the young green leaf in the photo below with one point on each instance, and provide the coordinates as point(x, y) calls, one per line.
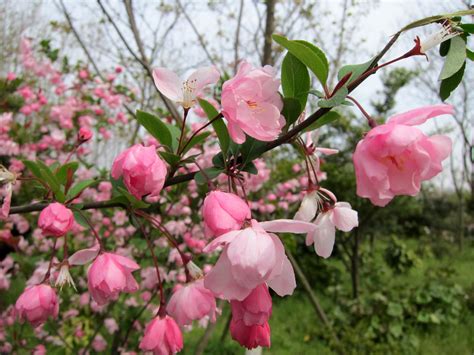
point(77, 189)
point(218, 125)
point(454, 59)
point(450, 84)
point(136, 203)
point(171, 159)
point(356, 70)
point(437, 18)
point(295, 79)
point(338, 98)
point(51, 180)
point(308, 54)
point(291, 110)
point(469, 54)
point(61, 174)
point(175, 133)
point(209, 173)
point(197, 139)
point(328, 117)
point(155, 127)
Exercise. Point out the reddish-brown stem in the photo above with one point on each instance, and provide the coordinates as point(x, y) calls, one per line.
point(53, 253)
point(96, 235)
point(170, 238)
point(183, 129)
point(162, 308)
point(371, 121)
point(199, 130)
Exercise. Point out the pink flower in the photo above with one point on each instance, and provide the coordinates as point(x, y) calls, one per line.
point(184, 92)
point(340, 216)
point(36, 304)
point(251, 257)
point(250, 336)
point(143, 172)
point(55, 220)
point(109, 275)
point(251, 104)
point(162, 337)
point(192, 302)
point(223, 212)
point(84, 134)
point(256, 308)
point(393, 159)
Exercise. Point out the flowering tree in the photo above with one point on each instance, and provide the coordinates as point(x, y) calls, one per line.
point(93, 223)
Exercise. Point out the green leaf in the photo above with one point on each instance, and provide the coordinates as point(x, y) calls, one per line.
point(291, 110)
point(218, 125)
point(308, 54)
point(251, 149)
point(34, 168)
point(356, 70)
point(437, 18)
point(76, 189)
point(450, 84)
point(295, 79)
point(328, 117)
point(80, 220)
point(136, 203)
point(467, 27)
point(454, 59)
point(444, 48)
point(197, 139)
point(171, 159)
point(211, 173)
point(175, 133)
point(250, 168)
point(155, 127)
point(470, 54)
point(51, 180)
point(336, 100)
point(62, 171)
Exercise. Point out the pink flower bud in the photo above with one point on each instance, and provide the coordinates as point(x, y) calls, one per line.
point(192, 302)
point(11, 76)
point(36, 304)
point(109, 275)
point(55, 220)
point(256, 308)
point(162, 336)
point(84, 135)
point(250, 336)
point(224, 212)
point(143, 172)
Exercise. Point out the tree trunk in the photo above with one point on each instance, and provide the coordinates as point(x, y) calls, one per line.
point(267, 57)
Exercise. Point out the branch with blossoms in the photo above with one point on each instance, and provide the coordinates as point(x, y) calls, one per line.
point(247, 116)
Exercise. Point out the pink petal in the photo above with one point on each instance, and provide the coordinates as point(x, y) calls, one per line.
point(168, 83)
point(236, 133)
point(421, 115)
point(344, 217)
point(84, 256)
point(324, 236)
point(221, 240)
point(327, 151)
point(5, 209)
point(284, 283)
point(204, 76)
point(308, 207)
point(287, 226)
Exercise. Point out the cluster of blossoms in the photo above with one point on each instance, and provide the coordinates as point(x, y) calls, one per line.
point(392, 159)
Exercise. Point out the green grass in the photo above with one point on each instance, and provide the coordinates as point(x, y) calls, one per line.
point(296, 329)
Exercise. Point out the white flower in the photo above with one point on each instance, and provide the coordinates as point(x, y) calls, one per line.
point(438, 37)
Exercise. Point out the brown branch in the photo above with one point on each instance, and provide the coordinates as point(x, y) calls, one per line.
point(237, 36)
point(269, 29)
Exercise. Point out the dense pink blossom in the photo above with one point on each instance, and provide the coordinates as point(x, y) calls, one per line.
point(162, 337)
point(393, 159)
point(186, 91)
point(109, 275)
point(192, 302)
point(143, 172)
point(252, 105)
point(55, 220)
point(36, 304)
point(223, 212)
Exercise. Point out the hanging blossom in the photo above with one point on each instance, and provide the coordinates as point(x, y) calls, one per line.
point(7, 180)
point(393, 159)
point(331, 215)
point(185, 92)
point(447, 32)
point(252, 256)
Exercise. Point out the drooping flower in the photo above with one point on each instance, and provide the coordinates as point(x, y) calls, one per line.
point(109, 275)
point(223, 212)
point(84, 134)
point(36, 304)
point(143, 171)
point(192, 302)
point(256, 308)
point(393, 159)
point(340, 216)
point(7, 179)
point(64, 277)
point(250, 336)
point(251, 104)
point(186, 91)
point(55, 220)
point(252, 256)
point(162, 337)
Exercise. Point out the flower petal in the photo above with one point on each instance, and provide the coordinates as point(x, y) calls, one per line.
point(168, 83)
point(420, 115)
